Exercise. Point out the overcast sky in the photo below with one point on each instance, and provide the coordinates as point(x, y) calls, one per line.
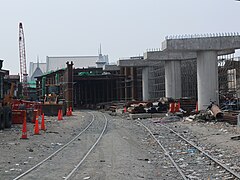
point(123, 27)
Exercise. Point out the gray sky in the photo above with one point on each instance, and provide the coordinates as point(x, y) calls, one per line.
point(124, 27)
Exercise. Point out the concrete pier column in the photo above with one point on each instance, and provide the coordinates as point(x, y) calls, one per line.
point(207, 78)
point(145, 91)
point(173, 84)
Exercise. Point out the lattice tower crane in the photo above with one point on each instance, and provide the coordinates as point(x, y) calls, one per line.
point(23, 68)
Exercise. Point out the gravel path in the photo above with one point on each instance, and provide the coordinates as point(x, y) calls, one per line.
point(123, 153)
point(126, 151)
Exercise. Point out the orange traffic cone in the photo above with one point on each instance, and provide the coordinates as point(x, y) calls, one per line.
point(197, 107)
point(70, 111)
point(36, 128)
point(24, 129)
point(171, 107)
point(43, 123)
point(177, 107)
point(59, 114)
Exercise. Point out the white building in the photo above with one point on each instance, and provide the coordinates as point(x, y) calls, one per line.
point(58, 62)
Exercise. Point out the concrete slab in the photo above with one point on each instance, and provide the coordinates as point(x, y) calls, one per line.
point(111, 68)
point(158, 115)
point(146, 115)
point(166, 56)
point(120, 111)
point(136, 63)
point(141, 116)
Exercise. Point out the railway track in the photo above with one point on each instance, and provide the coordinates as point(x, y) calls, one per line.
point(64, 162)
point(190, 160)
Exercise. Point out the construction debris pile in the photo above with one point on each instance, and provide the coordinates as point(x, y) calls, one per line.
point(185, 108)
point(214, 113)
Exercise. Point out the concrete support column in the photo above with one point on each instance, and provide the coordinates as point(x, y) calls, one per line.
point(207, 78)
point(68, 76)
point(173, 83)
point(126, 84)
point(145, 91)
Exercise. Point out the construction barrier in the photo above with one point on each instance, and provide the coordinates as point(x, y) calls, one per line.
point(18, 116)
point(177, 107)
point(171, 107)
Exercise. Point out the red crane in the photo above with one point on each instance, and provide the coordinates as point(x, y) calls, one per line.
point(23, 68)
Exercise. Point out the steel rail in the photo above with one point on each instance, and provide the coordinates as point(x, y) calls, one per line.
point(205, 153)
point(89, 151)
point(60, 149)
point(165, 151)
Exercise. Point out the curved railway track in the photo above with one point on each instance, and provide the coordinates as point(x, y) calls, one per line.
point(180, 163)
point(74, 145)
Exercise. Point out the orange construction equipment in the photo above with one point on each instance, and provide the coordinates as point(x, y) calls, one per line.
point(36, 128)
point(24, 129)
point(43, 123)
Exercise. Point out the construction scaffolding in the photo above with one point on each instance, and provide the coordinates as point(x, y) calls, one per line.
point(131, 84)
point(229, 77)
point(157, 81)
point(189, 78)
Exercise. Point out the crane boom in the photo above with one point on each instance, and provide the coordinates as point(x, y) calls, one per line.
point(22, 54)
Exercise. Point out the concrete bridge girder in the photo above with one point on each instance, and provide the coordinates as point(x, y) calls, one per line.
point(137, 63)
point(207, 49)
point(173, 55)
point(108, 67)
point(202, 44)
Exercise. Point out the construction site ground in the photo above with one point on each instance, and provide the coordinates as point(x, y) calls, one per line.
point(125, 152)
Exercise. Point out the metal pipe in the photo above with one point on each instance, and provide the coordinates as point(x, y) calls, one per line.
point(218, 114)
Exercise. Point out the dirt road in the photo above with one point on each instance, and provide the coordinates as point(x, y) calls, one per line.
point(124, 152)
